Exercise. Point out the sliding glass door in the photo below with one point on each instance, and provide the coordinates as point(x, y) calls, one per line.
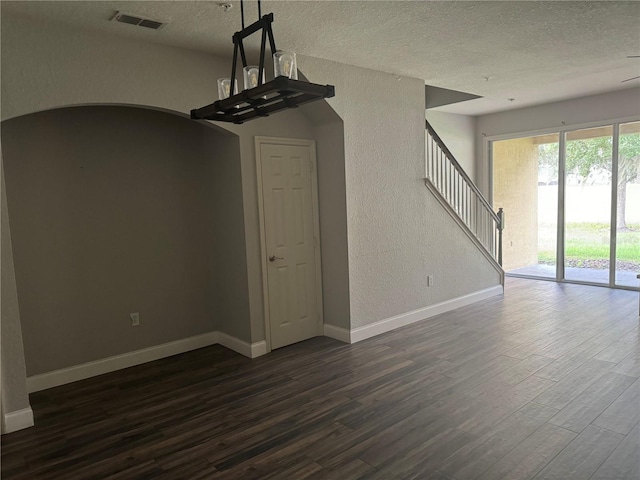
point(572, 204)
point(526, 186)
point(587, 229)
point(627, 245)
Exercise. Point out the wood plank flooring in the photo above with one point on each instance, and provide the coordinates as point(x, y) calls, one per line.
point(542, 383)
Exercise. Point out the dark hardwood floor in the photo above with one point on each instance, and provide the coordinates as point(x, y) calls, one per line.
point(539, 384)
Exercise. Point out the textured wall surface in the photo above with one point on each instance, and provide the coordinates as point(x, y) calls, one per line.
point(398, 233)
point(286, 124)
point(533, 51)
point(515, 189)
point(117, 210)
point(458, 132)
point(333, 222)
point(601, 108)
point(227, 253)
point(49, 66)
point(14, 385)
point(46, 65)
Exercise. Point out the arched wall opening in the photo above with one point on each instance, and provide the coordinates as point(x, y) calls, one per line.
point(115, 210)
point(50, 66)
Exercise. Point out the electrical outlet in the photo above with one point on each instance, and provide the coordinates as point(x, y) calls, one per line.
point(135, 319)
point(430, 281)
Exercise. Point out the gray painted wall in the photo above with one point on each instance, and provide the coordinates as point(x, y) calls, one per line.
point(287, 124)
point(116, 210)
point(398, 234)
point(13, 370)
point(333, 223)
point(227, 254)
point(48, 65)
point(458, 132)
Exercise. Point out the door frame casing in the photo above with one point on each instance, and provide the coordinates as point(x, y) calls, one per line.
point(297, 142)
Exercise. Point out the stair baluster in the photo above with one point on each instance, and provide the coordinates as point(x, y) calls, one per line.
point(448, 179)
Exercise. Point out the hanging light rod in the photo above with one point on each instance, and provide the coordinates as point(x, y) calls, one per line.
point(260, 99)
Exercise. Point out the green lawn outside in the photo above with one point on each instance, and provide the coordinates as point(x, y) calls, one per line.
point(590, 242)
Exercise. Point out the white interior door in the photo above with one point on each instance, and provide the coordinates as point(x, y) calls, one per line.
point(289, 228)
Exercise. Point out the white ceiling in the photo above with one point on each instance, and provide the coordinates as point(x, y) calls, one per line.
point(534, 52)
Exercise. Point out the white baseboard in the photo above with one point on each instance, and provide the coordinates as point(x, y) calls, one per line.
point(338, 333)
point(258, 349)
point(130, 359)
point(386, 325)
point(251, 350)
point(18, 420)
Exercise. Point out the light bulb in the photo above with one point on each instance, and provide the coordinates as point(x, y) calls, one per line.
point(251, 77)
point(224, 88)
point(287, 65)
point(284, 64)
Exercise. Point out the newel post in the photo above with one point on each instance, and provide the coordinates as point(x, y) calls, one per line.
point(500, 228)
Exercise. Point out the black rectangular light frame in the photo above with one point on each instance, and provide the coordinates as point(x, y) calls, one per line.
point(280, 93)
point(266, 98)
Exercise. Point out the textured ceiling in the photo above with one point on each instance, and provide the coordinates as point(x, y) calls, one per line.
point(533, 52)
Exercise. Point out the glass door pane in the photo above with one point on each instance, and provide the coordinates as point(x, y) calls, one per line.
point(525, 185)
point(548, 160)
point(588, 155)
point(628, 206)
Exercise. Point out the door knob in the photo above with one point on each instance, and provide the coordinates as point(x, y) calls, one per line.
point(273, 258)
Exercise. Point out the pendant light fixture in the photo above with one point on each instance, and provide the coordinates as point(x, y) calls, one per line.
point(260, 98)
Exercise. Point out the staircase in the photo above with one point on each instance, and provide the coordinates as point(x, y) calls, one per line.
point(463, 200)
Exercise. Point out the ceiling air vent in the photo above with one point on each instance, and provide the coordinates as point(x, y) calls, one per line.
point(139, 21)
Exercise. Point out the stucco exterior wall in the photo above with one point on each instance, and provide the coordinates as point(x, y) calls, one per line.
point(515, 189)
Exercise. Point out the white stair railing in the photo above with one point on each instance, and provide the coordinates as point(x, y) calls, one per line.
point(447, 177)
